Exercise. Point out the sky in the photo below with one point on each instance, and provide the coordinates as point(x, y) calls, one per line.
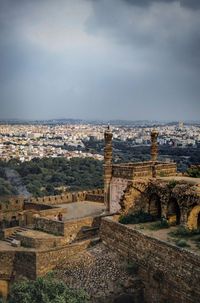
point(100, 59)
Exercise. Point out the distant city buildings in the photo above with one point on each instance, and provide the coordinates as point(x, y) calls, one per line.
point(25, 142)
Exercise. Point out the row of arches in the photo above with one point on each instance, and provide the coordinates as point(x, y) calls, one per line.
point(172, 212)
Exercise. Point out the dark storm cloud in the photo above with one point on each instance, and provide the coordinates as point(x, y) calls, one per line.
point(99, 59)
point(169, 29)
point(145, 2)
point(194, 4)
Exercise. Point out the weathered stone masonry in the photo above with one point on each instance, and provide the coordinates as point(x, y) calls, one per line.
point(170, 274)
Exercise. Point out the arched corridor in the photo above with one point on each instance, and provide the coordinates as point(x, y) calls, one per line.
point(173, 212)
point(193, 221)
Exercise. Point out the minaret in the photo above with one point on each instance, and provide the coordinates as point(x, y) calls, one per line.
point(107, 166)
point(154, 151)
point(154, 145)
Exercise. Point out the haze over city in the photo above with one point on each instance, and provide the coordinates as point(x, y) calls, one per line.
point(101, 59)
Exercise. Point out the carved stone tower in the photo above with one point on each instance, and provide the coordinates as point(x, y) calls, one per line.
point(107, 166)
point(154, 145)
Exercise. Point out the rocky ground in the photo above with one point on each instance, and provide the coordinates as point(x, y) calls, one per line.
point(101, 273)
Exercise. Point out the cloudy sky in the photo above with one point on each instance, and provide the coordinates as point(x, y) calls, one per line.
point(100, 59)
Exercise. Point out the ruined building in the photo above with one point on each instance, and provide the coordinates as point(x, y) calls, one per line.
point(152, 186)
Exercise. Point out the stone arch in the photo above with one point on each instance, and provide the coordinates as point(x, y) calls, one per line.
point(173, 211)
point(4, 288)
point(154, 207)
point(133, 198)
point(193, 221)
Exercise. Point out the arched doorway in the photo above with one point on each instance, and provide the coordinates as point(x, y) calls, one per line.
point(173, 212)
point(155, 206)
point(193, 221)
point(198, 221)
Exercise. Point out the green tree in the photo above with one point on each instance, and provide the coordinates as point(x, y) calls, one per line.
point(6, 188)
point(45, 290)
point(194, 172)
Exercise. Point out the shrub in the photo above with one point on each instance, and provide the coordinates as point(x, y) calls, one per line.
point(159, 225)
point(139, 217)
point(196, 238)
point(183, 232)
point(45, 290)
point(194, 172)
point(172, 184)
point(182, 243)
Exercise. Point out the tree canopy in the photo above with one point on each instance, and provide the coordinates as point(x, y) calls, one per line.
point(48, 176)
point(45, 290)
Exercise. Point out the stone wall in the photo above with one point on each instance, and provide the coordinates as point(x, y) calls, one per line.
point(36, 206)
point(71, 230)
point(7, 259)
point(50, 226)
point(67, 197)
point(95, 198)
point(40, 242)
point(10, 206)
point(25, 264)
point(16, 264)
point(170, 274)
point(60, 199)
point(74, 229)
point(143, 169)
point(49, 259)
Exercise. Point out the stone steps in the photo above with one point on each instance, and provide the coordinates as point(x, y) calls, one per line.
point(13, 236)
point(93, 241)
point(89, 232)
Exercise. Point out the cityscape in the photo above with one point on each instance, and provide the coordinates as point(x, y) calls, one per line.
point(25, 142)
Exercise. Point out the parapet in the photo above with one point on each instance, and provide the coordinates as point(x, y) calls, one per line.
point(131, 171)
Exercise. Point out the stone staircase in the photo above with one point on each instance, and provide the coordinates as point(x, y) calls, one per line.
point(88, 232)
point(13, 236)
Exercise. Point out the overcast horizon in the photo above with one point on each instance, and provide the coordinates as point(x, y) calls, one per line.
point(100, 59)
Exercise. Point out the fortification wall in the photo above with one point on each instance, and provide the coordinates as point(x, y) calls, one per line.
point(60, 199)
point(170, 274)
point(15, 205)
point(68, 197)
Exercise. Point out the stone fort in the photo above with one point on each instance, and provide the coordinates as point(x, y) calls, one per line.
point(34, 243)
